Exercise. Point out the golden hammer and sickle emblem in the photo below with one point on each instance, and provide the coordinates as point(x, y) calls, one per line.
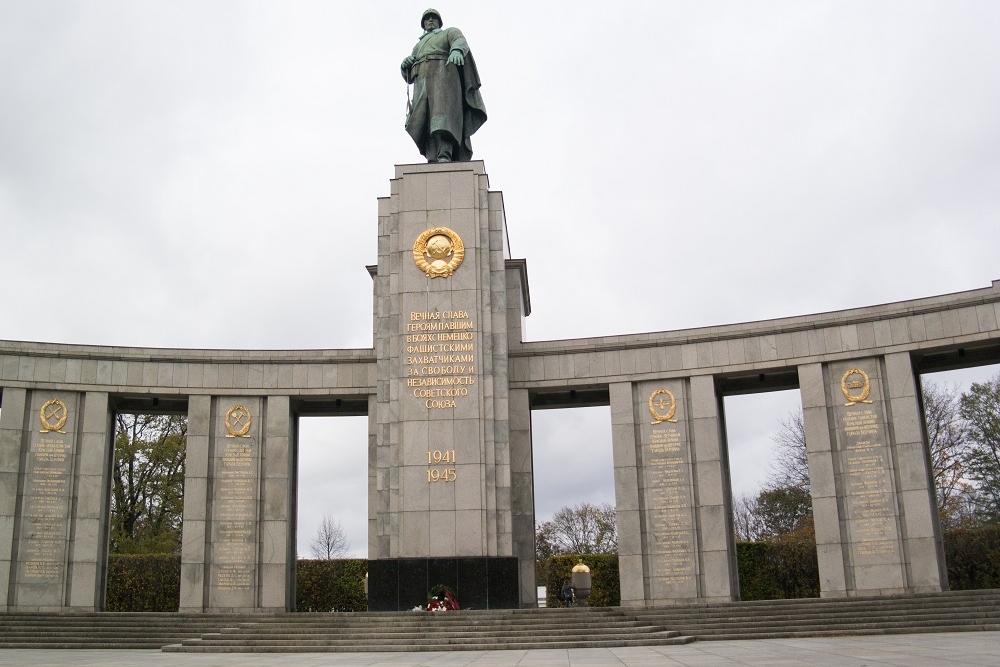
point(238, 422)
point(53, 416)
point(662, 409)
point(855, 379)
point(438, 252)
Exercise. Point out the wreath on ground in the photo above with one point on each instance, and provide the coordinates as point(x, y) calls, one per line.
point(441, 598)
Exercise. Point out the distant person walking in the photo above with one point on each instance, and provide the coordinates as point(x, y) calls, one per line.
point(568, 593)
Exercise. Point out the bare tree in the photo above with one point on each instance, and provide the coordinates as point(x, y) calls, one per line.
point(790, 467)
point(330, 541)
point(948, 438)
point(583, 529)
point(746, 520)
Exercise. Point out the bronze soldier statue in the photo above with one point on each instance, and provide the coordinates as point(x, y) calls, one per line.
point(447, 108)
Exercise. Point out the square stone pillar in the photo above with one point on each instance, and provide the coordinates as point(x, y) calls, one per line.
point(523, 494)
point(49, 456)
point(716, 540)
point(923, 550)
point(442, 482)
point(628, 509)
point(13, 436)
point(194, 558)
point(277, 522)
point(830, 540)
point(91, 507)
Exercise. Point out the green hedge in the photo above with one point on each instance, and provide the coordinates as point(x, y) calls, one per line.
point(144, 582)
point(778, 570)
point(604, 585)
point(331, 585)
point(767, 570)
point(973, 557)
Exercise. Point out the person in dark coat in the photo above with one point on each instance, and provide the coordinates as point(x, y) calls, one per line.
point(568, 593)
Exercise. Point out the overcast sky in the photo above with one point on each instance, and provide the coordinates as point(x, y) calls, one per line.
point(205, 174)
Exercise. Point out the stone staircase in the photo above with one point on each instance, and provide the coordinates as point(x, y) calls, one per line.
point(107, 630)
point(899, 614)
point(447, 631)
point(511, 629)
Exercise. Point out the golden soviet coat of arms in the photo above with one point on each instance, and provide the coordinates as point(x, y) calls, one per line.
point(438, 252)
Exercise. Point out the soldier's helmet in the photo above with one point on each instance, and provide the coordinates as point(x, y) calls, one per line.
point(428, 12)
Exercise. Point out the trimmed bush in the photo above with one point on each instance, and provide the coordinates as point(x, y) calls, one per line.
point(973, 557)
point(783, 569)
point(604, 584)
point(331, 585)
point(144, 582)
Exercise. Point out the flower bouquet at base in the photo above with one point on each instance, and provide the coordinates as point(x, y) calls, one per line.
point(442, 599)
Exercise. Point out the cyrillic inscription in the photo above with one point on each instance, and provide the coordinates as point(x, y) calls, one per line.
point(440, 366)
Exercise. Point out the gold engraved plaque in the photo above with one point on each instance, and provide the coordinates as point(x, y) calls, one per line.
point(856, 386)
point(662, 408)
point(438, 252)
point(53, 416)
point(238, 422)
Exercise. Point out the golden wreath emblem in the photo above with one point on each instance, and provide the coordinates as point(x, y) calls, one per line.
point(657, 407)
point(853, 380)
point(438, 252)
point(238, 421)
point(53, 416)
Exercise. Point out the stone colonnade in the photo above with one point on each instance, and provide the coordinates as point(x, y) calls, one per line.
point(857, 370)
point(56, 453)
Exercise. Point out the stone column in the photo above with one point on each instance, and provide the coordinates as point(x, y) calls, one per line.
point(13, 436)
point(922, 547)
point(823, 482)
point(631, 569)
point(234, 531)
point(523, 494)
point(43, 527)
point(719, 580)
point(194, 558)
point(277, 523)
point(89, 536)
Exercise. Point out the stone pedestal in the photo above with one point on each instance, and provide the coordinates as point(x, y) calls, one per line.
point(442, 455)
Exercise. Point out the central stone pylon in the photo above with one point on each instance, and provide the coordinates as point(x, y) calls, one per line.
point(440, 501)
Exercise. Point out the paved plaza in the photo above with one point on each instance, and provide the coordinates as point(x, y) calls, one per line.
point(924, 650)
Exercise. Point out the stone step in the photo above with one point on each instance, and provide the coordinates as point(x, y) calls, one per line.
point(510, 644)
point(460, 634)
point(224, 639)
point(901, 613)
point(974, 610)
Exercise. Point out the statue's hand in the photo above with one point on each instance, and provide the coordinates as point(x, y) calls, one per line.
point(407, 62)
point(456, 58)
